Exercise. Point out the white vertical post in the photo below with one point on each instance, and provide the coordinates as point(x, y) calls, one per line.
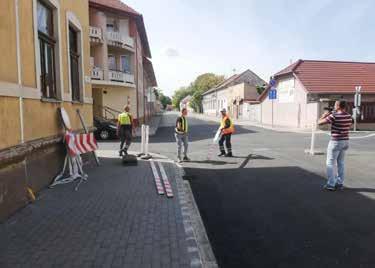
point(272, 113)
point(312, 146)
point(357, 104)
point(143, 139)
point(146, 140)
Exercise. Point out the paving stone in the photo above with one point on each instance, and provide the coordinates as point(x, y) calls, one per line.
point(116, 219)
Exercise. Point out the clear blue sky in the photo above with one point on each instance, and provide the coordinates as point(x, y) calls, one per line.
point(190, 37)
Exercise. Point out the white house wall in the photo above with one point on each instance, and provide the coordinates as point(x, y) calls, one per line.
point(290, 108)
point(252, 112)
point(208, 104)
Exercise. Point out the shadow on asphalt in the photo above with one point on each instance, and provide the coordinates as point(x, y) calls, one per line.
point(212, 162)
point(281, 217)
point(253, 157)
point(201, 132)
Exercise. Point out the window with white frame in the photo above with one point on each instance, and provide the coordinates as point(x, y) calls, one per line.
point(74, 64)
point(125, 64)
point(47, 40)
point(112, 62)
point(47, 46)
point(75, 58)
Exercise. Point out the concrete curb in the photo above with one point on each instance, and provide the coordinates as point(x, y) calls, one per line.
point(196, 233)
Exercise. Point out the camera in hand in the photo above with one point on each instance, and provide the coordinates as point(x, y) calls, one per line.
point(328, 109)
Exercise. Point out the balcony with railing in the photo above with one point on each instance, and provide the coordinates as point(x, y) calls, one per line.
point(97, 73)
point(119, 40)
point(118, 76)
point(95, 34)
point(128, 41)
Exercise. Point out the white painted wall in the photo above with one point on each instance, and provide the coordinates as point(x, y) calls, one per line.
point(252, 112)
point(290, 108)
point(209, 104)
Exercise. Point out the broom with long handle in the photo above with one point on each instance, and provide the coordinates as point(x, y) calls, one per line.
point(214, 142)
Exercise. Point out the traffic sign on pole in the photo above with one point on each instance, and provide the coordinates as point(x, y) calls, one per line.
point(272, 94)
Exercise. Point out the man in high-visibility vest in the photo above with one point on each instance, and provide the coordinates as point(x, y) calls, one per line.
point(181, 134)
point(125, 130)
point(227, 129)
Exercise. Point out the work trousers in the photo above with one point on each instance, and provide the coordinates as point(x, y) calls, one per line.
point(125, 137)
point(225, 138)
point(182, 139)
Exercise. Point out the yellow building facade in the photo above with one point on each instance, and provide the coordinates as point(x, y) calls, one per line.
point(45, 65)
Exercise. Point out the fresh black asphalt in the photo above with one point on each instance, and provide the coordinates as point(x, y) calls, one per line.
point(269, 210)
point(266, 208)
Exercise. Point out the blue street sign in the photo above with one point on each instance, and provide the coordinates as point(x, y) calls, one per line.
point(272, 94)
point(272, 82)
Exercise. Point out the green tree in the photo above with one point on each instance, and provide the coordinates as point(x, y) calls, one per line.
point(201, 84)
point(260, 89)
point(179, 94)
point(165, 100)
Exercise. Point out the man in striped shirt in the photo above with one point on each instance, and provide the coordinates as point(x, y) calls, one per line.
point(341, 122)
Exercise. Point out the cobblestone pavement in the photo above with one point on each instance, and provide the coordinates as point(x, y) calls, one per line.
point(116, 219)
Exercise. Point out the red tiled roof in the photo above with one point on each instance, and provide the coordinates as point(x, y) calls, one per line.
point(115, 4)
point(288, 69)
point(333, 76)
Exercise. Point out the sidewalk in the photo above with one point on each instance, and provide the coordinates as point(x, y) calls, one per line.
point(116, 219)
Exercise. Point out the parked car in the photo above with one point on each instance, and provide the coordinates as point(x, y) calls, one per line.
point(105, 129)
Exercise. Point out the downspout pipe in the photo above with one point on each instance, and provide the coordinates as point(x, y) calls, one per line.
point(136, 72)
point(19, 72)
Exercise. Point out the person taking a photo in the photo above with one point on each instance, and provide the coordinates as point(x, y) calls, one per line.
point(341, 122)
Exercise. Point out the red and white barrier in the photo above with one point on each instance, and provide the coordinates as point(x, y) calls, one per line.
point(78, 144)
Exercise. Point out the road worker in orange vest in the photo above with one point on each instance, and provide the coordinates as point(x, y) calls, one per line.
point(227, 129)
point(125, 130)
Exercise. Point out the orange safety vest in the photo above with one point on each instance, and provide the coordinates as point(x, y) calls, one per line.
point(229, 130)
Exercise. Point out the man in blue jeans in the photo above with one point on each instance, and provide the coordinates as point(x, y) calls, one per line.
point(341, 122)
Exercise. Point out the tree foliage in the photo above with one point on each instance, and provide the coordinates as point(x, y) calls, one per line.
point(179, 94)
point(165, 100)
point(200, 85)
point(260, 89)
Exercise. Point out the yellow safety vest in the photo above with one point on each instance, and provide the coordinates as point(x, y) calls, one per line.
point(229, 130)
point(124, 119)
point(185, 126)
